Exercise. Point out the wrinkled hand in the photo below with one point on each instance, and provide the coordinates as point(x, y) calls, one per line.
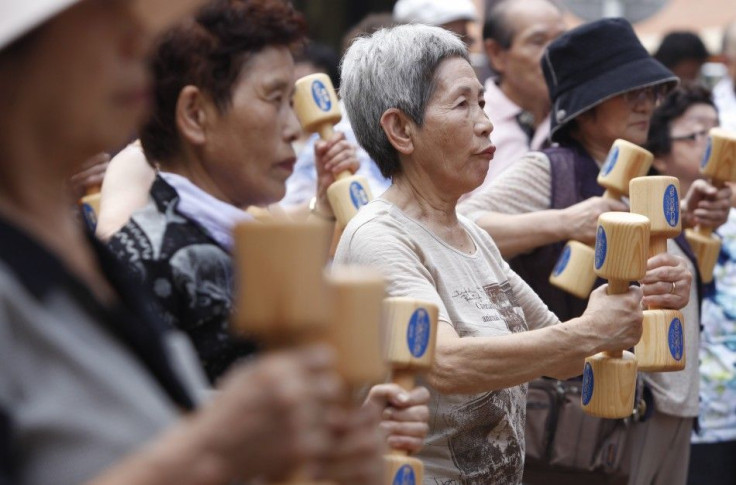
point(332, 157)
point(91, 175)
point(663, 270)
point(615, 319)
point(581, 219)
point(274, 414)
point(404, 415)
point(705, 205)
point(355, 456)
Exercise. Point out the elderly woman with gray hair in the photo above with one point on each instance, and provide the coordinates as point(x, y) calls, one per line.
point(417, 108)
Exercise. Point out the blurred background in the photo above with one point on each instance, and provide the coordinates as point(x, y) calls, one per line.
point(329, 20)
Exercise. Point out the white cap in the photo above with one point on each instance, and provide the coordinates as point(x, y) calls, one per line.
point(434, 12)
point(18, 17)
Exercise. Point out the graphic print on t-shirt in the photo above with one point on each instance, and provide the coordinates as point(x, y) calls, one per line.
point(487, 449)
point(505, 303)
point(497, 304)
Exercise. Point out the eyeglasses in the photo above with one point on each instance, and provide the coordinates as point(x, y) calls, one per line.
point(695, 136)
point(653, 94)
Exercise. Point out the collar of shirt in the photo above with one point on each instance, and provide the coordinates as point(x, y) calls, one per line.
point(503, 107)
point(215, 216)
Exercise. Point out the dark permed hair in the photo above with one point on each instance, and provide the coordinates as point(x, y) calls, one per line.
point(673, 106)
point(209, 52)
point(680, 46)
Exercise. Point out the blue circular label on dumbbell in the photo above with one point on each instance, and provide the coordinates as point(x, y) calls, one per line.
point(562, 260)
point(588, 384)
point(417, 332)
point(706, 155)
point(600, 247)
point(321, 96)
point(675, 338)
point(404, 476)
point(358, 195)
point(671, 205)
point(89, 216)
point(610, 161)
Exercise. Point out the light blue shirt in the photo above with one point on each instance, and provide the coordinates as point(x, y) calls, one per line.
point(302, 185)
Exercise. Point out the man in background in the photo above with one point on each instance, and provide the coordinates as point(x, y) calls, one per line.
point(515, 35)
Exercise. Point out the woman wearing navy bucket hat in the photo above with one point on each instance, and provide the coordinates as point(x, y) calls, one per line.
point(93, 388)
point(603, 85)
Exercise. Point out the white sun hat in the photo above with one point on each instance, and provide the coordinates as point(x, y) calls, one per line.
point(434, 12)
point(17, 17)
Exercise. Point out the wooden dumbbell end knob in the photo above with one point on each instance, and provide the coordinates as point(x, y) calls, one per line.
point(719, 160)
point(280, 293)
point(403, 470)
point(90, 205)
point(662, 345)
point(347, 196)
point(355, 325)
point(621, 248)
point(316, 104)
point(609, 385)
point(657, 198)
point(573, 272)
point(411, 334)
point(624, 162)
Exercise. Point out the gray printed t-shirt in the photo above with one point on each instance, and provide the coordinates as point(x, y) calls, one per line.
point(473, 438)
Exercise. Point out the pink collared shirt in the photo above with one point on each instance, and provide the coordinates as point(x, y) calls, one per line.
point(510, 140)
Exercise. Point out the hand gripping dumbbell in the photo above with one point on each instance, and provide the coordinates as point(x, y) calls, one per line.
point(718, 165)
point(661, 348)
point(621, 248)
point(574, 269)
point(411, 336)
point(281, 298)
point(318, 110)
point(356, 294)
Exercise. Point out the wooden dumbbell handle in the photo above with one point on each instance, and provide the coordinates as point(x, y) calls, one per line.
point(326, 130)
point(612, 194)
point(93, 189)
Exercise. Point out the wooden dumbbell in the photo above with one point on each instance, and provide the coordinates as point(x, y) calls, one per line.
point(281, 298)
point(411, 336)
point(90, 205)
point(318, 110)
point(661, 348)
point(718, 165)
point(573, 271)
point(357, 294)
point(281, 295)
point(621, 248)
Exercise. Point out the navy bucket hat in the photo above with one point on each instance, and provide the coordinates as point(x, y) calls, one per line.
point(595, 62)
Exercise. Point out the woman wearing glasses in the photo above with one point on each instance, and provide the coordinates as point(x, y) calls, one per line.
point(678, 139)
point(610, 91)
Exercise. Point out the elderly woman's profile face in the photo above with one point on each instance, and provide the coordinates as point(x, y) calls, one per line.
point(248, 151)
point(453, 144)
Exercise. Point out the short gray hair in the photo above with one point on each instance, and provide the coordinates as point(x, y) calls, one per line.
point(393, 68)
